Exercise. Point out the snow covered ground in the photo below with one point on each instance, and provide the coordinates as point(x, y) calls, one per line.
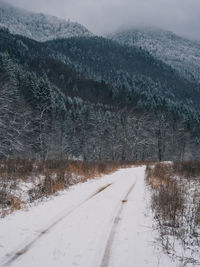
point(103, 222)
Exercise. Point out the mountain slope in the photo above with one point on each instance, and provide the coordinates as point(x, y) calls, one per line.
point(38, 26)
point(127, 67)
point(94, 99)
point(180, 53)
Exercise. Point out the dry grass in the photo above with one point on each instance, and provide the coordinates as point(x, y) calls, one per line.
point(175, 201)
point(168, 198)
point(56, 175)
point(16, 168)
point(187, 169)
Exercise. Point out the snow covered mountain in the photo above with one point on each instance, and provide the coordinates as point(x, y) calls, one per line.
point(38, 26)
point(181, 53)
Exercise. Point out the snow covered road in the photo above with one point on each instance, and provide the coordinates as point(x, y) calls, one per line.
point(98, 223)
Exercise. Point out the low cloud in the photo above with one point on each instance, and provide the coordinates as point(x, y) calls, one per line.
point(103, 16)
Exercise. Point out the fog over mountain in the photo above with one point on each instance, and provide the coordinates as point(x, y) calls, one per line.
point(104, 16)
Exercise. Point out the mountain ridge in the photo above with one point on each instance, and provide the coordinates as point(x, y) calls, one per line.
point(38, 26)
point(179, 52)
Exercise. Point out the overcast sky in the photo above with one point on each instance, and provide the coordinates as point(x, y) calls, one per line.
point(102, 16)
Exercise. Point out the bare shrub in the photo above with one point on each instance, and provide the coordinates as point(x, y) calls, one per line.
point(15, 203)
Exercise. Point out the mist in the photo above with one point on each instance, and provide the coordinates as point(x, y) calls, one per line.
point(104, 16)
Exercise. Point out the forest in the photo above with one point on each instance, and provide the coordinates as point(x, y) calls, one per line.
point(93, 99)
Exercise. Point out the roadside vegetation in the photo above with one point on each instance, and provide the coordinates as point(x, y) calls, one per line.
point(24, 181)
point(175, 201)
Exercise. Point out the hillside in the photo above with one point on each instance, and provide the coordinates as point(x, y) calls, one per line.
point(180, 53)
point(39, 27)
point(127, 70)
point(71, 101)
point(127, 67)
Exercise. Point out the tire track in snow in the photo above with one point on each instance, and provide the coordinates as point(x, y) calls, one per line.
point(107, 252)
point(20, 252)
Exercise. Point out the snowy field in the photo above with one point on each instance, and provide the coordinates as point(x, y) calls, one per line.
point(103, 222)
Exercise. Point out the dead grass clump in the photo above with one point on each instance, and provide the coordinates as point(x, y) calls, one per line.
point(15, 203)
point(159, 174)
point(55, 182)
point(8, 203)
